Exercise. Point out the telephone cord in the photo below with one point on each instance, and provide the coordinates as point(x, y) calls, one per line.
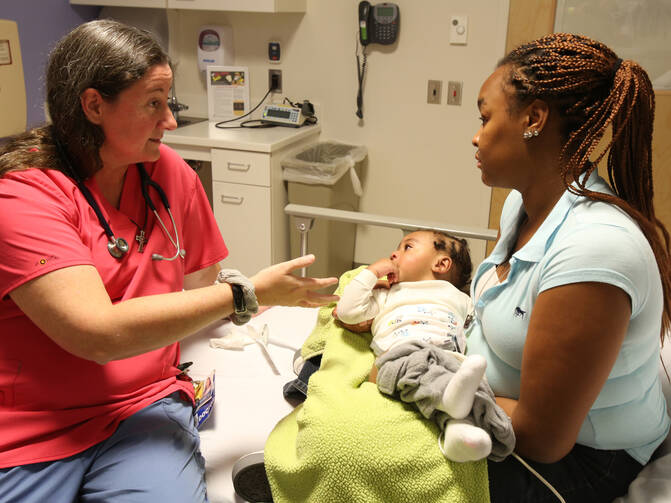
point(361, 73)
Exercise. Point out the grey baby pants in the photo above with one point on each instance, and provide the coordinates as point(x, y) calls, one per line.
point(419, 372)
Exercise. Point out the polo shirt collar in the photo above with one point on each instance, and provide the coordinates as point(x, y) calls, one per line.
point(535, 248)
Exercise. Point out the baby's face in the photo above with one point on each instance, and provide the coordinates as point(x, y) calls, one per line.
point(415, 257)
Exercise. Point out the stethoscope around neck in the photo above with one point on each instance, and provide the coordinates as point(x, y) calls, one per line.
point(117, 246)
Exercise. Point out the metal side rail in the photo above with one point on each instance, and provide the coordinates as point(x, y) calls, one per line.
point(305, 216)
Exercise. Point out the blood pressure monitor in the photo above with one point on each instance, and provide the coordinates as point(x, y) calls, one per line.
point(283, 115)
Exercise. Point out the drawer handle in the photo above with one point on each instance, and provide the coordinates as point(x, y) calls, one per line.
point(232, 199)
point(238, 166)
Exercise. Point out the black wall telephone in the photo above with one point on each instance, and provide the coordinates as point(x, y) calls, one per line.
point(378, 24)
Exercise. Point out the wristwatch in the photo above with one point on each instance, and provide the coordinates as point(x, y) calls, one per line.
point(245, 303)
point(239, 304)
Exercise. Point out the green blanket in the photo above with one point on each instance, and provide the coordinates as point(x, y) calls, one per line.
point(349, 443)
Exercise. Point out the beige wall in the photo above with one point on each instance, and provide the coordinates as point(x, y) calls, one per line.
point(421, 161)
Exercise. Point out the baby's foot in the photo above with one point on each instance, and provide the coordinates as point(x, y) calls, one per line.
point(463, 442)
point(457, 399)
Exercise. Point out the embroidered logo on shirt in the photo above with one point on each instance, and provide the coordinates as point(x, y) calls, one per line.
point(519, 313)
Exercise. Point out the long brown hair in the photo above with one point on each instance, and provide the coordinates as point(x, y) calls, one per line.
point(592, 90)
point(104, 55)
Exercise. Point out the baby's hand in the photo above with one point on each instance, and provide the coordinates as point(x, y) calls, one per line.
point(385, 267)
point(364, 326)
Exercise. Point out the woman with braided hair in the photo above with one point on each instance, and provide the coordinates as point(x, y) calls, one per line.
point(575, 297)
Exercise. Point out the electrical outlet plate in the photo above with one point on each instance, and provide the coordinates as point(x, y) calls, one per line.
point(433, 91)
point(271, 73)
point(454, 92)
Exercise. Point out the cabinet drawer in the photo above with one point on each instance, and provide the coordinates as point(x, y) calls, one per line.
point(236, 166)
point(243, 216)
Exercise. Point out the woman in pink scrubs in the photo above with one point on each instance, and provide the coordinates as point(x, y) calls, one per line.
point(110, 255)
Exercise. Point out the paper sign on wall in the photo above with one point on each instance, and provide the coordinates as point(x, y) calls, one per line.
point(227, 92)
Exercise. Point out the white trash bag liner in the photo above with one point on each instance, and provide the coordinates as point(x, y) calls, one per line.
point(324, 163)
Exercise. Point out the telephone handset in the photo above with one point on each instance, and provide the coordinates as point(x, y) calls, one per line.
point(378, 24)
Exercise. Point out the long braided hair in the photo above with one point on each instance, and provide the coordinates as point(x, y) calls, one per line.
point(592, 90)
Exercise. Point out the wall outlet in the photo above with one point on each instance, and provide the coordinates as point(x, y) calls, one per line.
point(433, 91)
point(275, 80)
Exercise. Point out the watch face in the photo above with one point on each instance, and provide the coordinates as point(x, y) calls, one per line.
point(238, 299)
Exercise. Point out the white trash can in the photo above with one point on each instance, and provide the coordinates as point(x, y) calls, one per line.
point(326, 174)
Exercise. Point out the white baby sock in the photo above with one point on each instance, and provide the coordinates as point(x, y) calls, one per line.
point(457, 400)
point(463, 442)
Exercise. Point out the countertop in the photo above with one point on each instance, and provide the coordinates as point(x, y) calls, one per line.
point(268, 140)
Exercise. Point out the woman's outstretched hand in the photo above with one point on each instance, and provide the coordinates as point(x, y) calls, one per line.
point(276, 286)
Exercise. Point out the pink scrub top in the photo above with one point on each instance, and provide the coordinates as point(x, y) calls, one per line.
point(52, 403)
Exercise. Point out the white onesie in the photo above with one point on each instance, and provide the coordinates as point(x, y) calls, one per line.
point(431, 311)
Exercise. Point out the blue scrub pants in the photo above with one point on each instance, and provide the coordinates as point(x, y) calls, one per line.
point(153, 456)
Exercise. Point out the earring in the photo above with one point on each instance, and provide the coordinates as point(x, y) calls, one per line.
point(528, 134)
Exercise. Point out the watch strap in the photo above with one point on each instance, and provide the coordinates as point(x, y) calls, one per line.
point(245, 303)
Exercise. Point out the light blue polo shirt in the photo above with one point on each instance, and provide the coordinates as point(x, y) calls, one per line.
point(580, 240)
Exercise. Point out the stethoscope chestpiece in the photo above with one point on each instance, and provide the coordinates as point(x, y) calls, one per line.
point(118, 247)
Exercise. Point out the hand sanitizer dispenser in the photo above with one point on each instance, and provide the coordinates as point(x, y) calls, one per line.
point(215, 46)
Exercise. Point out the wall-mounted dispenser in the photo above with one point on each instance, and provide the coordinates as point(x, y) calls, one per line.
point(215, 46)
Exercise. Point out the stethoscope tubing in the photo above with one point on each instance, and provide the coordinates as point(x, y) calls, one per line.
point(147, 182)
point(118, 247)
point(180, 252)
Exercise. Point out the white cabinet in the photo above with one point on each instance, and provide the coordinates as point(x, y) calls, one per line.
point(226, 5)
point(240, 5)
point(248, 198)
point(159, 4)
point(243, 213)
point(248, 193)
point(241, 198)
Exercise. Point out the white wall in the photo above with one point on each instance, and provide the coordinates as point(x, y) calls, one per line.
point(421, 162)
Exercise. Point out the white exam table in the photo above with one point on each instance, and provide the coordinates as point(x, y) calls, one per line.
point(249, 400)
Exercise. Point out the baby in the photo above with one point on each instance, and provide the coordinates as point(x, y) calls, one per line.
point(419, 314)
